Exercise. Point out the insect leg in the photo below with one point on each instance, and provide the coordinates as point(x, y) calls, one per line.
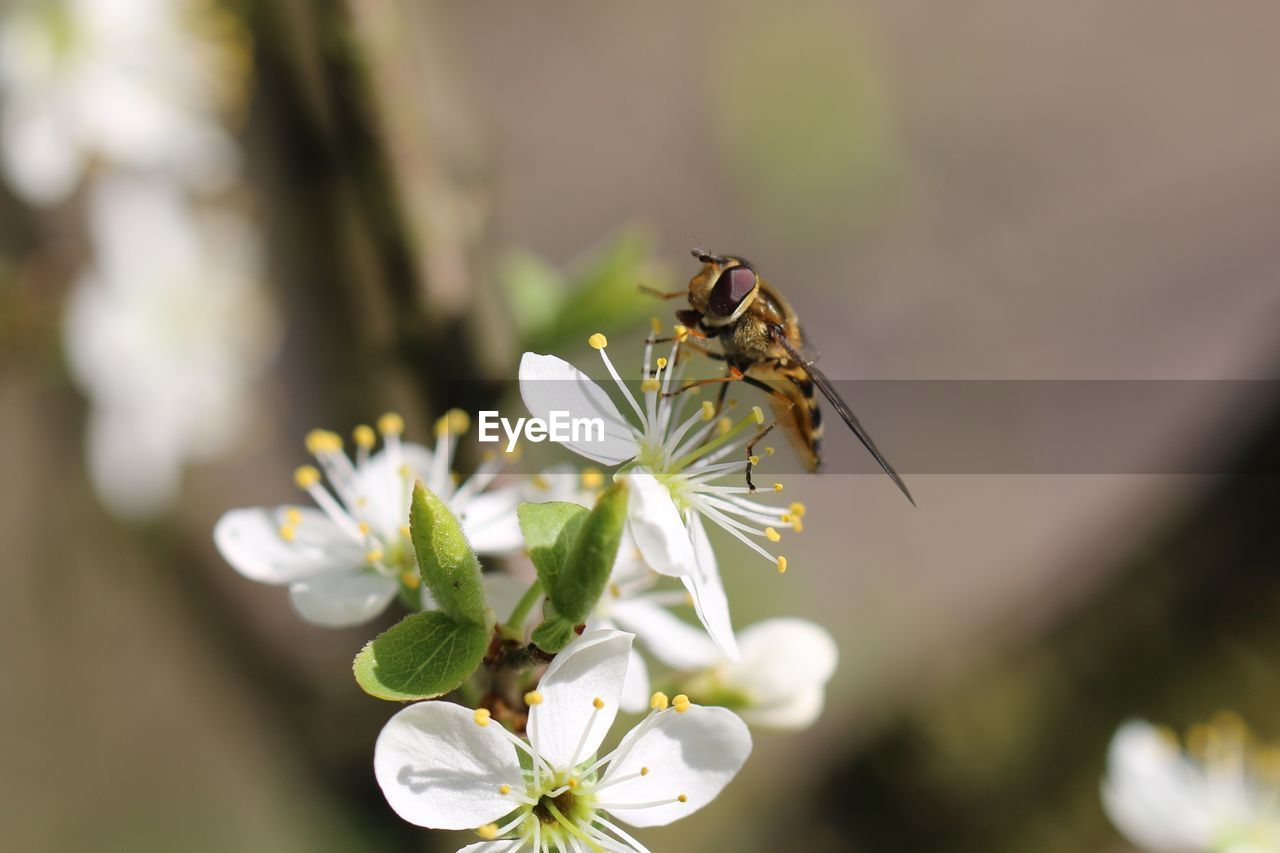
point(751, 445)
point(652, 291)
point(735, 375)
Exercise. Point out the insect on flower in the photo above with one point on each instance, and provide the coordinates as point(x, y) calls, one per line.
point(759, 332)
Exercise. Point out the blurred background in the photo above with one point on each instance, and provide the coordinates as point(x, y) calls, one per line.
point(385, 196)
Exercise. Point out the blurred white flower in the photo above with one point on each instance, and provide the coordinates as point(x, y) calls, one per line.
point(780, 680)
point(446, 767)
point(137, 84)
point(675, 464)
point(165, 333)
point(1222, 793)
point(346, 561)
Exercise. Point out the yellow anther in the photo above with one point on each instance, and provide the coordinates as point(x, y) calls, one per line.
point(655, 325)
point(644, 771)
point(391, 424)
point(724, 426)
point(598, 703)
point(504, 789)
point(287, 533)
point(453, 422)
point(592, 478)
point(540, 483)
point(364, 528)
point(405, 531)
point(758, 414)
point(533, 697)
point(598, 341)
point(662, 363)
point(411, 579)
point(650, 386)
point(323, 441)
point(293, 516)
point(615, 590)
point(490, 830)
point(481, 717)
point(659, 701)
point(684, 798)
point(405, 471)
point(1169, 736)
point(782, 565)
point(374, 556)
point(364, 436)
point(769, 451)
point(777, 487)
point(681, 332)
point(797, 509)
point(753, 459)
point(772, 535)
point(680, 703)
point(572, 783)
point(797, 524)
point(708, 410)
point(306, 476)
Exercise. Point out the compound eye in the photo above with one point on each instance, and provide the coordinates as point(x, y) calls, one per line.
point(734, 285)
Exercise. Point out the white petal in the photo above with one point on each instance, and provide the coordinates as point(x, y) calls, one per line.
point(438, 769)
point(656, 527)
point(709, 600)
point(135, 461)
point(385, 491)
point(40, 156)
point(799, 711)
point(593, 666)
point(1152, 793)
point(509, 845)
point(341, 600)
point(695, 753)
point(635, 689)
point(249, 539)
point(782, 658)
point(672, 640)
point(490, 523)
point(549, 384)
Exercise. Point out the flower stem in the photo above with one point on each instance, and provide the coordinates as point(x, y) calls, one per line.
point(515, 625)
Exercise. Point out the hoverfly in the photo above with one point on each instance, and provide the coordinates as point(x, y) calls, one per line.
point(760, 334)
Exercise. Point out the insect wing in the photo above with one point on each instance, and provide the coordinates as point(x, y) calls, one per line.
point(846, 414)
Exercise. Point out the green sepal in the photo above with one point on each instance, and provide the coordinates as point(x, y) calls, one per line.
point(582, 579)
point(446, 562)
point(425, 655)
point(550, 530)
point(554, 633)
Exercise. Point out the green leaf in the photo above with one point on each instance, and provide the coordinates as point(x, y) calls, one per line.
point(550, 530)
point(582, 579)
point(424, 656)
point(446, 562)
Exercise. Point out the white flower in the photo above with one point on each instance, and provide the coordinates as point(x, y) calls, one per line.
point(780, 680)
point(674, 461)
point(446, 767)
point(345, 562)
point(127, 83)
point(1219, 794)
point(165, 334)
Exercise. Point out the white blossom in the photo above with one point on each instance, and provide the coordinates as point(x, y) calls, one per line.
point(166, 333)
point(1221, 793)
point(780, 680)
point(135, 84)
point(675, 461)
point(345, 560)
point(447, 767)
